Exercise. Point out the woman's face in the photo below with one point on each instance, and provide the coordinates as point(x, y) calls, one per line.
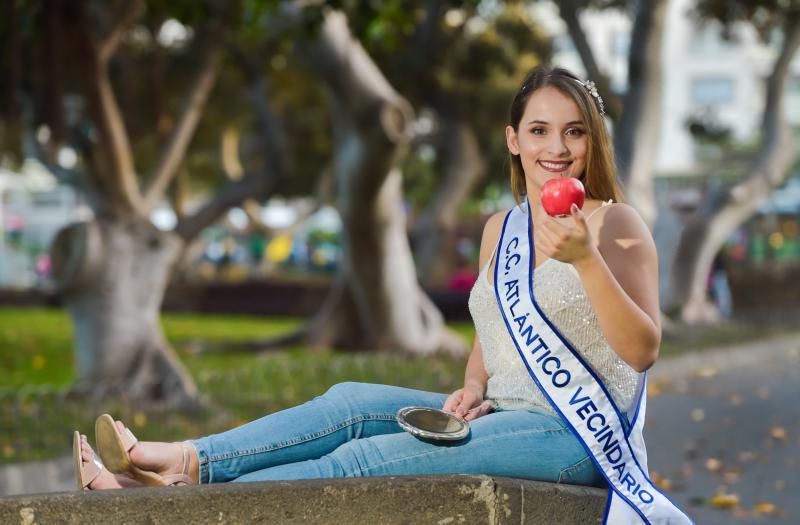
point(552, 139)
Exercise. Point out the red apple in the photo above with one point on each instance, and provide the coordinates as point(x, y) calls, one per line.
point(558, 195)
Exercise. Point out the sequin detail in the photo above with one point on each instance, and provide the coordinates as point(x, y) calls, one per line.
point(561, 296)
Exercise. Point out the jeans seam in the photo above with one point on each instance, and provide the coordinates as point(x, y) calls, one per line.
point(572, 468)
point(487, 438)
point(304, 439)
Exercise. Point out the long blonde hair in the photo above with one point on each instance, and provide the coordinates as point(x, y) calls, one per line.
point(599, 177)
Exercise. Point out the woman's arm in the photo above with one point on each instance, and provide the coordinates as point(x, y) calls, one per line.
point(620, 275)
point(468, 402)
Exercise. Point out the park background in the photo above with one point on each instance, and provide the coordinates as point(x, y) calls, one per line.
point(213, 210)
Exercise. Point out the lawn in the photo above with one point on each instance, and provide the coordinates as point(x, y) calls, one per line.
point(37, 412)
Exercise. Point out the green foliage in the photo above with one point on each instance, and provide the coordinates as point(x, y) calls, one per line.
point(38, 416)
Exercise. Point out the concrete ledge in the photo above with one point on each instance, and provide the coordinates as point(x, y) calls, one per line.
point(437, 500)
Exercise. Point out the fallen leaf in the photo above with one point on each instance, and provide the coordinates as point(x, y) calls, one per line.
point(139, 419)
point(746, 456)
point(778, 433)
point(660, 481)
point(765, 507)
point(38, 362)
point(697, 415)
point(722, 500)
point(713, 464)
point(656, 388)
point(707, 372)
point(731, 476)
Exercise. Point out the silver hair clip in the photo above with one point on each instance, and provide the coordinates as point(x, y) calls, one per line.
point(592, 89)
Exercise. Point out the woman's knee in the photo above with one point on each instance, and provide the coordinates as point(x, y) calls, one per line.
point(348, 390)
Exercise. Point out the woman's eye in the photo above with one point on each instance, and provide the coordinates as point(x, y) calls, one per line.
point(575, 132)
point(538, 131)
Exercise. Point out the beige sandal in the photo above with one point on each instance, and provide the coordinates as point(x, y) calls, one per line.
point(114, 447)
point(87, 472)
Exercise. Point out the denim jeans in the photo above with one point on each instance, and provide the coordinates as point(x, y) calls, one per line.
point(351, 431)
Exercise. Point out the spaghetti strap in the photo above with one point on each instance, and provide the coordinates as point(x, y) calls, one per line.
point(609, 202)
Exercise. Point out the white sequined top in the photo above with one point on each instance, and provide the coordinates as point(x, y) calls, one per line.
point(561, 295)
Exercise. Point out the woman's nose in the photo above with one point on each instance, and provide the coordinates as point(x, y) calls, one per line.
point(557, 146)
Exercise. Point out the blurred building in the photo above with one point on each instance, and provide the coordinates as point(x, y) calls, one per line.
point(707, 78)
point(33, 207)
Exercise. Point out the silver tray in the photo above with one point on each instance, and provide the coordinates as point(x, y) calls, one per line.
point(432, 423)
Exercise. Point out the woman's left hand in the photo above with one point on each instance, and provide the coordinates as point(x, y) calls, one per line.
point(566, 240)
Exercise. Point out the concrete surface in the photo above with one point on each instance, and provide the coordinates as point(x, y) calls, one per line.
point(440, 500)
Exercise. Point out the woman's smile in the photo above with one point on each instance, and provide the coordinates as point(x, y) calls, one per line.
point(555, 166)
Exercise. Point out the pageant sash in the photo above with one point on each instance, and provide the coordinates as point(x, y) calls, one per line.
point(573, 388)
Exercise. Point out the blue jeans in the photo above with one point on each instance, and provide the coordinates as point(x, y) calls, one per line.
point(351, 431)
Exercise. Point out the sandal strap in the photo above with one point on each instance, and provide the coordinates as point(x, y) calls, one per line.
point(128, 439)
point(90, 471)
point(176, 479)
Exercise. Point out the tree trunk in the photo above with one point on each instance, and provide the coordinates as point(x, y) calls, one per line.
point(730, 207)
point(112, 276)
point(379, 304)
point(434, 232)
point(568, 10)
point(636, 135)
point(11, 87)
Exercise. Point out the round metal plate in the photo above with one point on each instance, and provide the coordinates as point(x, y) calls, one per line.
point(431, 423)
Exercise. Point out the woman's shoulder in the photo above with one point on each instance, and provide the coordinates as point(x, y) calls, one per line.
point(618, 216)
point(491, 235)
point(619, 223)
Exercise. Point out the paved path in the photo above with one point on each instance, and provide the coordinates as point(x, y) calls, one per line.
point(728, 422)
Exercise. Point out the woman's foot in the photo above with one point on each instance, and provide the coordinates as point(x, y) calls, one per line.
point(105, 479)
point(169, 460)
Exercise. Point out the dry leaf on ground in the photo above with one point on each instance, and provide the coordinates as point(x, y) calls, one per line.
point(778, 433)
point(697, 415)
point(765, 507)
point(723, 500)
point(713, 464)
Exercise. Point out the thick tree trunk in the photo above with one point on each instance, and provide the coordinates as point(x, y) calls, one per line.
point(569, 12)
point(11, 86)
point(729, 208)
point(112, 276)
point(434, 231)
point(636, 135)
point(371, 126)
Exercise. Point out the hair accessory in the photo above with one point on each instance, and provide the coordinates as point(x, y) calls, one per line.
point(592, 89)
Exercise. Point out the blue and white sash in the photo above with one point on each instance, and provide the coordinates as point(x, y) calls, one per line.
point(573, 388)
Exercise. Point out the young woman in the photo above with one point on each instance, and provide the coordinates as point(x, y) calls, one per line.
point(596, 282)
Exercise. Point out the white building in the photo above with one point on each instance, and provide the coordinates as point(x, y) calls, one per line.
point(703, 73)
point(33, 207)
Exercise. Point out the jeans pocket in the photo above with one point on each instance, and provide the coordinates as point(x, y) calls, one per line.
point(583, 472)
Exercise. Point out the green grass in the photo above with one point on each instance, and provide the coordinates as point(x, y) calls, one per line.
point(37, 412)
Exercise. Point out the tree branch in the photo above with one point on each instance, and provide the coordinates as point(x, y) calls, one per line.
point(175, 150)
point(255, 185)
point(118, 178)
point(568, 9)
point(130, 13)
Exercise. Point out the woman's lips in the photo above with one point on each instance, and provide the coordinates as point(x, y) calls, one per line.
point(554, 167)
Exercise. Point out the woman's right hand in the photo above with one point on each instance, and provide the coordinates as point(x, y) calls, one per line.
point(467, 403)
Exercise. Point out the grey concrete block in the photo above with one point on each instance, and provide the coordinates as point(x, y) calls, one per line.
point(440, 500)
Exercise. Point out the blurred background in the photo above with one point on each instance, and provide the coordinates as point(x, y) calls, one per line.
point(226, 207)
